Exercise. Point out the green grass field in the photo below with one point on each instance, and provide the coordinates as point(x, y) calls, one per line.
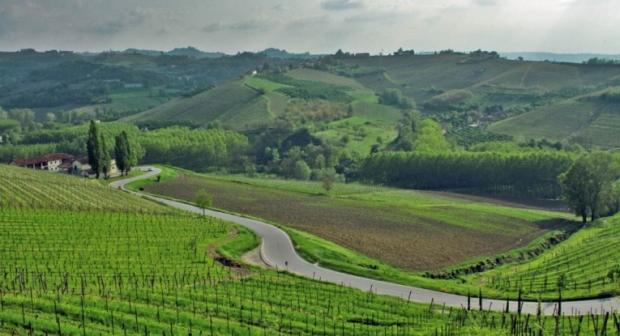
point(94, 271)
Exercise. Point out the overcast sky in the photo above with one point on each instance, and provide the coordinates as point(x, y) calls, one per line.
point(312, 25)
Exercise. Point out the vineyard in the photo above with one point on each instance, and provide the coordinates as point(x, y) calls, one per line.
point(102, 273)
point(586, 265)
point(22, 188)
point(98, 272)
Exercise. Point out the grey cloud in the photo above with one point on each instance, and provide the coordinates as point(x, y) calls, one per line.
point(338, 5)
point(241, 26)
point(5, 21)
point(131, 20)
point(486, 3)
point(308, 25)
point(314, 25)
point(368, 17)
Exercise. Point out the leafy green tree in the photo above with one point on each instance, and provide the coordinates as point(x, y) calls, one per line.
point(588, 185)
point(319, 161)
point(25, 117)
point(203, 200)
point(430, 137)
point(577, 188)
point(301, 170)
point(395, 98)
point(328, 178)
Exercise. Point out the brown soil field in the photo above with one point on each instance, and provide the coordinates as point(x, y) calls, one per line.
point(401, 236)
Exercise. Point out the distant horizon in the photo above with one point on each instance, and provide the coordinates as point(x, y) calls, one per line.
point(232, 53)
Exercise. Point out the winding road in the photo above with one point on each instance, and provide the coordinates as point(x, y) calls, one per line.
point(278, 252)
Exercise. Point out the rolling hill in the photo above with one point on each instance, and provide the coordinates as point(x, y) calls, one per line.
point(233, 104)
point(337, 98)
point(336, 108)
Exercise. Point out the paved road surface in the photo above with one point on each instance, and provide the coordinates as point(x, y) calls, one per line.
point(277, 251)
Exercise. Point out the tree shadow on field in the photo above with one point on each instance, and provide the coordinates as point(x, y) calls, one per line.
point(568, 226)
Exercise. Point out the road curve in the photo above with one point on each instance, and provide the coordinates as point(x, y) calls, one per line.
point(278, 251)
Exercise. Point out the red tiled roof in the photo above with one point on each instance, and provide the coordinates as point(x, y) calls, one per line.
point(44, 158)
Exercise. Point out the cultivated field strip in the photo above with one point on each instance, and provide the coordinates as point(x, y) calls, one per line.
point(23, 188)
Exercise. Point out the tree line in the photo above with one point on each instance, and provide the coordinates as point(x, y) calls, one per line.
point(197, 149)
point(533, 174)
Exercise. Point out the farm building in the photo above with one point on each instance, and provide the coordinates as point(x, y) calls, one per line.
point(81, 167)
point(54, 162)
point(63, 163)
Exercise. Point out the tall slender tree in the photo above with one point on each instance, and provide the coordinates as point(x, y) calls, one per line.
point(121, 153)
point(93, 147)
point(105, 159)
point(132, 157)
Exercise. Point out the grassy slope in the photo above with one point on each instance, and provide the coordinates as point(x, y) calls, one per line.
point(339, 246)
point(101, 272)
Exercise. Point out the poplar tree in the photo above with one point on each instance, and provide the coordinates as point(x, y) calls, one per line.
point(105, 159)
point(132, 157)
point(121, 153)
point(93, 147)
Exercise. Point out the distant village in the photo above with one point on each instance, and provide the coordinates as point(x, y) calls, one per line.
point(64, 163)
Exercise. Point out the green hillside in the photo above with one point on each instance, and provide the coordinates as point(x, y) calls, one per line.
point(590, 120)
point(232, 104)
point(337, 99)
point(338, 109)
